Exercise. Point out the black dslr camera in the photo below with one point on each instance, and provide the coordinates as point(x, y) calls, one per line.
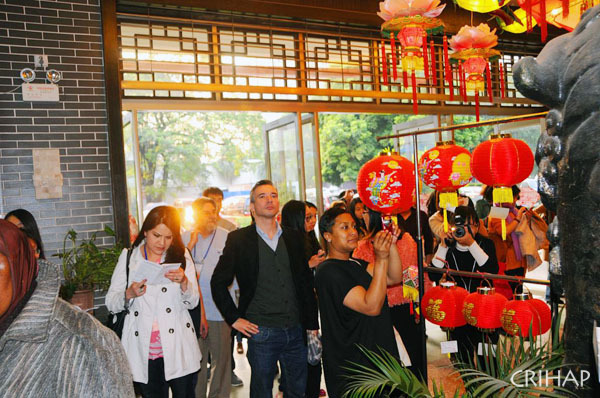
point(459, 228)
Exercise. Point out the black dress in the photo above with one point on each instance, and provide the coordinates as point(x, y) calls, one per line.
point(344, 328)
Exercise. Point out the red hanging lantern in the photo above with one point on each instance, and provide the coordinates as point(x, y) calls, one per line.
point(442, 305)
point(472, 47)
point(501, 162)
point(445, 168)
point(410, 21)
point(386, 183)
point(524, 313)
point(483, 308)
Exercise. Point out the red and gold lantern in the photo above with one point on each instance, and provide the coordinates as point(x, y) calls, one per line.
point(442, 305)
point(524, 313)
point(445, 168)
point(483, 308)
point(386, 183)
point(501, 162)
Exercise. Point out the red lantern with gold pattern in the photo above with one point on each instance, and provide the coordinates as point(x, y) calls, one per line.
point(483, 309)
point(501, 162)
point(442, 305)
point(523, 313)
point(446, 168)
point(386, 183)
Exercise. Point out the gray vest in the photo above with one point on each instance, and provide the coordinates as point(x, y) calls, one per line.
point(274, 302)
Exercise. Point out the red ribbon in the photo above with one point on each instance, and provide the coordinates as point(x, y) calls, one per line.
point(433, 66)
point(413, 79)
point(543, 23)
point(384, 63)
point(565, 7)
point(451, 83)
point(528, 12)
point(501, 70)
point(462, 82)
point(447, 67)
point(394, 59)
point(476, 105)
point(425, 58)
point(488, 74)
point(405, 78)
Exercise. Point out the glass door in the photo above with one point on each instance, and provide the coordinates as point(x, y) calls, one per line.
point(293, 157)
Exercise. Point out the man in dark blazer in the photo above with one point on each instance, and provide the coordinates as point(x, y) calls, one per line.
point(277, 303)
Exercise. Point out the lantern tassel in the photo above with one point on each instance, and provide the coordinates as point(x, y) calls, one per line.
point(405, 78)
point(412, 310)
point(476, 105)
point(425, 59)
point(565, 8)
point(394, 59)
point(501, 70)
point(461, 77)
point(433, 66)
point(451, 84)
point(503, 229)
point(413, 79)
point(447, 68)
point(445, 220)
point(529, 17)
point(384, 63)
point(543, 23)
point(488, 73)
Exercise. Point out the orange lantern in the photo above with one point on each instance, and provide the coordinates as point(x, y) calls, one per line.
point(483, 309)
point(524, 313)
point(446, 168)
point(501, 162)
point(442, 305)
point(386, 183)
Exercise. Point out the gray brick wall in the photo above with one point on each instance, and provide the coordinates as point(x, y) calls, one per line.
point(70, 34)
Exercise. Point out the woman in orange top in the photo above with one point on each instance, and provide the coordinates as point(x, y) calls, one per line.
point(403, 298)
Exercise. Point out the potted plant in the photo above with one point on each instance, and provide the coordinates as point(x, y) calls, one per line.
point(501, 374)
point(86, 267)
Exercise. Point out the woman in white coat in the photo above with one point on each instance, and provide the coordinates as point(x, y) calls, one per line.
point(158, 334)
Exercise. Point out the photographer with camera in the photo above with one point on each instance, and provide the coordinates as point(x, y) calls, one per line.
point(466, 250)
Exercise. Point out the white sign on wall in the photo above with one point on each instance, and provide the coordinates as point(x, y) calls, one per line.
point(40, 92)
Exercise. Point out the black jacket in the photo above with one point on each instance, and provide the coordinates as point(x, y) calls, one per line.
point(240, 260)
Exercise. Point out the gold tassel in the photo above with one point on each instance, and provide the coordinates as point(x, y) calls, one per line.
point(502, 195)
point(445, 220)
point(503, 229)
point(447, 198)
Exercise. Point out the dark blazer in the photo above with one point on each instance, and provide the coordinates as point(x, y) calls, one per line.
point(240, 260)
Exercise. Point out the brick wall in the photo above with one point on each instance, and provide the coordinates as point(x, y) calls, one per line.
point(70, 34)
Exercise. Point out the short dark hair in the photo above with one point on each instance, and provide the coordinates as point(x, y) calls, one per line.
point(311, 205)
point(327, 220)
point(198, 203)
point(212, 191)
point(467, 213)
point(260, 184)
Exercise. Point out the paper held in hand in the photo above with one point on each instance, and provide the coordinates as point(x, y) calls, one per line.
point(153, 273)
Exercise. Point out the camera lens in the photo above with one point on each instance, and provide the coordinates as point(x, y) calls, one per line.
point(460, 231)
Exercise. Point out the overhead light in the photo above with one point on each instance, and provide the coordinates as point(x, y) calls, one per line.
point(53, 76)
point(28, 75)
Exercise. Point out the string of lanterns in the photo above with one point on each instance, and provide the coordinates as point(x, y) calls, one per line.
point(408, 24)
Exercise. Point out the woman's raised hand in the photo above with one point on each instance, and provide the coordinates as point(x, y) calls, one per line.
point(382, 242)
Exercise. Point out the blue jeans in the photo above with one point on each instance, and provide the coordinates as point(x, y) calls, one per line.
point(270, 345)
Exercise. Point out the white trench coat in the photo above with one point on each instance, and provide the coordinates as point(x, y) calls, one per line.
point(169, 306)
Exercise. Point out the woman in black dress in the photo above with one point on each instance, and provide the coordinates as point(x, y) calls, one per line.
point(352, 297)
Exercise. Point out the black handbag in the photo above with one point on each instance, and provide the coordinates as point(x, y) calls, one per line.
point(116, 321)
